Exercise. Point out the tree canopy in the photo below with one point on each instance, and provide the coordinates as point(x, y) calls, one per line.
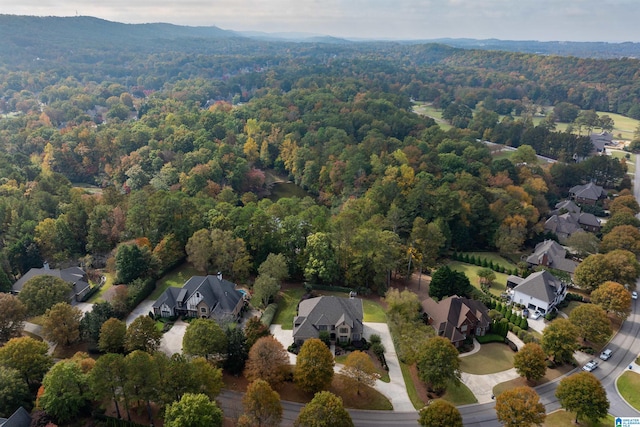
point(205, 338)
point(583, 394)
point(519, 407)
point(324, 410)
point(193, 410)
point(43, 292)
point(314, 366)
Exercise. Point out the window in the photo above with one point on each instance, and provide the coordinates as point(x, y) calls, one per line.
point(463, 328)
point(322, 327)
point(203, 310)
point(344, 330)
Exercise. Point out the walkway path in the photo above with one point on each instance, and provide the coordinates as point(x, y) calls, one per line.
point(37, 330)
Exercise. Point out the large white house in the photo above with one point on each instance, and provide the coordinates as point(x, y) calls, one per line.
point(539, 291)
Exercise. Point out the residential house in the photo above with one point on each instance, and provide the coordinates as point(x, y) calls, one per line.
point(600, 141)
point(568, 219)
point(76, 276)
point(540, 291)
point(551, 254)
point(588, 194)
point(457, 318)
point(201, 296)
point(20, 418)
point(340, 317)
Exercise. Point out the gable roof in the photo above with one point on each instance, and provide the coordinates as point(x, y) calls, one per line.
point(562, 224)
point(541, 285)
point(20, 418)
point(448, 315)
point(588, 191)
point(599, 140)
point(567, 205)
point(328, 310)
point(73, 275)
point(552, 254)
point(220, 295)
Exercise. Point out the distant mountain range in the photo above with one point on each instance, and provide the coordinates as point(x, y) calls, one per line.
point(43, 36)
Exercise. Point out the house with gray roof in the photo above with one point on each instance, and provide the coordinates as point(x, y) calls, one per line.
point(568, 219)
point(201, 296)
point(73, 275)
point(551, 254)
point(20, 418)
point(540, 291)
point(457, 318)
point(340, 317)
point(587, 194)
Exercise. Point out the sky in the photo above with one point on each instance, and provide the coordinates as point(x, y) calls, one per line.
point(544, 20)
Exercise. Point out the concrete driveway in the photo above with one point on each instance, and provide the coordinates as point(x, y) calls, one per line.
point(142, 309)
point(172, 340)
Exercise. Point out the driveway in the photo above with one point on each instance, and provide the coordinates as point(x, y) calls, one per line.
point(142, 309)
point(285, 337)
point(172, 340)
point(85, 307)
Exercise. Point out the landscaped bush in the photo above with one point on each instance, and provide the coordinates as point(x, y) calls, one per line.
point(487, 338)
point(293, 348)
point(573, 297)
point(268, 314)
point(139, 290)
point(325, 337)
point(375, 339)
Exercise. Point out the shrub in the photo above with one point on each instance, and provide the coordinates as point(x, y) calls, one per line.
point(268, 314)
point(325, 337)
point(375, 339)
point(487, 338)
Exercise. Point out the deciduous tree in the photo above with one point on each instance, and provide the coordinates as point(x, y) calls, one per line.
point(625, 237)
point(440, 413)
point(205, 338)
point(107, 380)
point(193, 410)
point(268, 360)
point(583, 394)
point(314, 366)
point(592, 322)
point(254, 330)
point(264, 288)
point(262, 405)
point(93, 320)
point(324, 410)
point(236, 350)
point(28, 356)
point(530, 362)
point(613, 298)
point(142, 334)
point(61, 324)
point(142, 379)
point(359, 369)
point(446, 282)
point(14, 392)
point(12, 315)
point(439, 363)
point(43, 292)
point(520, 407)
point(65, 391)
point(112, 336)
point(559, 340)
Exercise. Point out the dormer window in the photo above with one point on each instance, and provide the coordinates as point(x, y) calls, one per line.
point(197, 294)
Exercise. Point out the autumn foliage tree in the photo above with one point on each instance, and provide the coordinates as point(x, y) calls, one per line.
point(112, 336)
point(592, 322)
point(530, 362)
point(613, 298)
point(268, 360)
point(324, 410)
point(314, 366)
point(439, 363)
point(61, 324)
point(520, 407)
point(583, 394)
point(28, 356)
point(440, 413)
point(12, 315)
point(359, 370)
point(142, 334)
point(261, 405)
point(559, 340)
point(43, 292)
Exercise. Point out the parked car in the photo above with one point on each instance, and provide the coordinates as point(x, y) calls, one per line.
point(590, 366)
point(536, 315)
point(605, 355)
point(634, 295)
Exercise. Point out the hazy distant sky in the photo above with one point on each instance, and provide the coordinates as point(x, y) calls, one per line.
point(570, 20)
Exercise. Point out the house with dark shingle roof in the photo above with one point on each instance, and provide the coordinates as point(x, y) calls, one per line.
point(568, 219)
point(340, 317)
point(73, 275)
point(587, 194)
point(20, 418)
point(539, 291)
point(457, 318)
point(551, 254)
point(201, 296)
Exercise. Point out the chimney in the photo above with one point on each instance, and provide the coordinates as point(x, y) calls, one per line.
point(219, 275)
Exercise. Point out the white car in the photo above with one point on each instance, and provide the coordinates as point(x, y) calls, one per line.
point(536, 315)
point(634, 295)
point(590, 366)
point(605, 355)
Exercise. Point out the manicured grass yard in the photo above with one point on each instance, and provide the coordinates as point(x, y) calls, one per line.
point(459, 395)
point(563, 418)
point(492, 357)
point(411, 387)
point(631, 161)
point(629, 387)
point(471, 271)
point(175, 278)
point(572, 306)
point(97, 297)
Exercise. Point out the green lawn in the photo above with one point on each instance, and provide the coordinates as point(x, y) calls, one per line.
point(471, 271)
point(492, 358)
point(629, 387)
point(459, 395)
point(631, 161)
point(289, 299)
point(384, 375)
point(493, 257)
point(563, 418)
point(572, 306)
point(175, 279)
point(411, 387)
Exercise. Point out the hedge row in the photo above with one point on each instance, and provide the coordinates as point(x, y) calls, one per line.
point(268, 314)
point(483, 262)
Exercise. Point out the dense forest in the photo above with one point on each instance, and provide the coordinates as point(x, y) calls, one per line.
point(168, 139)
